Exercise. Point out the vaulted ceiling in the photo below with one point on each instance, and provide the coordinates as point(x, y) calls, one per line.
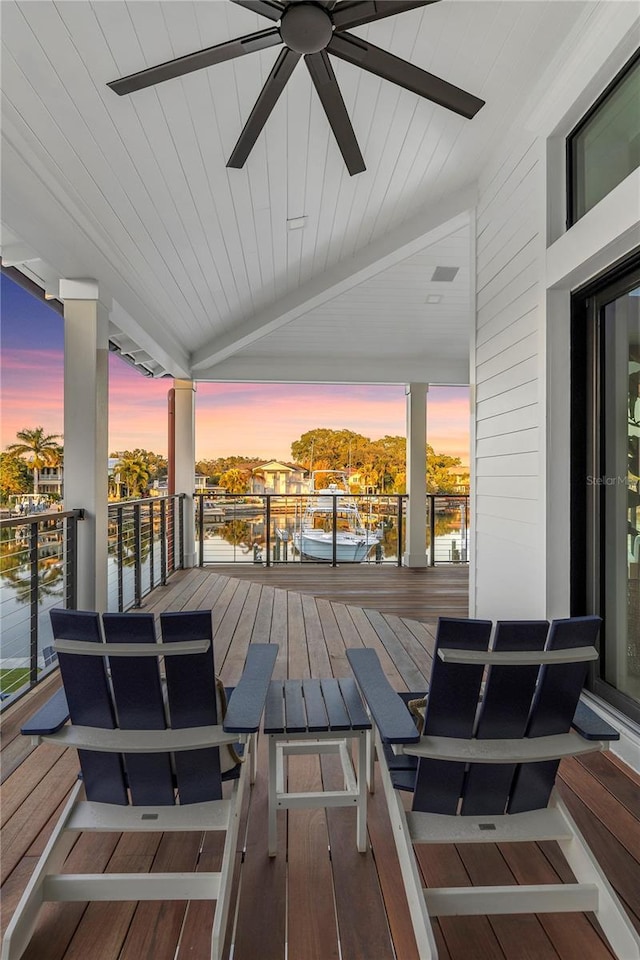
point(196, 262)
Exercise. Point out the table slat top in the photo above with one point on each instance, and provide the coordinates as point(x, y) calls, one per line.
point(314, 706)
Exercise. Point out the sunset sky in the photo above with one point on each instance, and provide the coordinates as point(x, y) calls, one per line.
point(251, 419)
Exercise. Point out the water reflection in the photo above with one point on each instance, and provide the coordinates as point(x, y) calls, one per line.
point(245, 540)
point(15, 563)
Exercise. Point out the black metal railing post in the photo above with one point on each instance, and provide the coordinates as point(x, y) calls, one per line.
point(152, 562)
point(120, 557)
point(163, 541)
point(267, 524)
point(334, 533)
point(181, 502)
point(200, 529)
point(400, 544)
point(466, 529)
point(137, 548)
point(33, 604)
point(171, 536)
point(71, 559)
point(432, 529)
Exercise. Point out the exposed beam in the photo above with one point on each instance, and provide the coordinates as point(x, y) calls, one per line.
point(437, 369)
point(426, 228)
point(15, 254)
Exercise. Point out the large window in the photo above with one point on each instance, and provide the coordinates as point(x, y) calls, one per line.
point(606, 478)
point(605, 146)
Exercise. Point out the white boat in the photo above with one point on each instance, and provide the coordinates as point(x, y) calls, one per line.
point(313, 537)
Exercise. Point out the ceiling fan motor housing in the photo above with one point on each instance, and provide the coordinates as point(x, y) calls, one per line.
point(306, 27)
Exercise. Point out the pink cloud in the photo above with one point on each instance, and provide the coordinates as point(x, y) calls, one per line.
point(31, 392)
point(245, 418)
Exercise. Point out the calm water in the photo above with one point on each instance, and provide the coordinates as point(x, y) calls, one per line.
point(237, 539)
point(243, 540)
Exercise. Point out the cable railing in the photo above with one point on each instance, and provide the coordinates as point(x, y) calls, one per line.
point(145, 546)
point(38, 571)
point(146, 543)
point(339, 528)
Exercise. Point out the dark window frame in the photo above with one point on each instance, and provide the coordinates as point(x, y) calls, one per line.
point(587, 544)
point(570, 160)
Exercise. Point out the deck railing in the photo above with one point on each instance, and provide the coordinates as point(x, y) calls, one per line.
point(265, 528)
point(39, 556)
point(38, 570)
point(146, 545)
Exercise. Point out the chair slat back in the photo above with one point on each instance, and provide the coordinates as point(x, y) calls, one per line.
point(88, 695)
point(554, 704)
point(517, 701)
point(191, 695)
point(137, 692)
point(504, 712)
point(129, 693)
point(450, 712)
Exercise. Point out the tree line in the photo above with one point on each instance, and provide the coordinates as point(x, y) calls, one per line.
point(373, 465)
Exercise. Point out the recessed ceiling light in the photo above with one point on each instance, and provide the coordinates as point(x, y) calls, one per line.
point(296, 223)
point(444, 274)
point(434, 298)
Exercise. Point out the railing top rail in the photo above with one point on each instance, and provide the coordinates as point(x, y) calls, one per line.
point(138, 501)
point(318, 493)
point(35, 518)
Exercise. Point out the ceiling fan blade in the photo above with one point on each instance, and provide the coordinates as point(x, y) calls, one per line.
point(266, 8)
point(273, 87)
point(196, 61)
point(328, 90)
point(354, 14)
point(386, 65)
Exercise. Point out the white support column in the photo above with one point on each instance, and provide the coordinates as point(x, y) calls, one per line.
point(185, 459)
point(86, 432)
point(416, 530)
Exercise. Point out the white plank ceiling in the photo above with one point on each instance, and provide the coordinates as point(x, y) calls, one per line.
point(193, 257)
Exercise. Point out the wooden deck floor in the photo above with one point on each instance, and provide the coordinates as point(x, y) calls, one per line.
point(319, 899)
point(417, 593)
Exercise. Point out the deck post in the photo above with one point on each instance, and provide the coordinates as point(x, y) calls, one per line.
point(184, 446)
point(86, 436)
point(415, 554)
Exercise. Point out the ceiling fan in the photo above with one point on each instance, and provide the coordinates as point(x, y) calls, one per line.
point(313, 29)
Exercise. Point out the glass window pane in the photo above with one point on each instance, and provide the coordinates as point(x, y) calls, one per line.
point(606, 148)
point(621, 493)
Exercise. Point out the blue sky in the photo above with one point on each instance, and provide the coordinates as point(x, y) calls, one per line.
point(252, 419)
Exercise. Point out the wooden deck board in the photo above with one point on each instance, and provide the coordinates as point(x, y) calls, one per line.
point(347, 904)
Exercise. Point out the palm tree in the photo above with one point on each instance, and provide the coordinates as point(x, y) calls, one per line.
point(133, 473)
point(41, 450)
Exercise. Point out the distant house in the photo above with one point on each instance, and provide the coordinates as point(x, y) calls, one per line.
point(201, 484)
point(50, 481)
point(276, 477)
point(460, 477)
point(115, 483)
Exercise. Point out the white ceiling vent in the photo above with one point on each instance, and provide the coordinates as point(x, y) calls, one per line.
point(445, 274)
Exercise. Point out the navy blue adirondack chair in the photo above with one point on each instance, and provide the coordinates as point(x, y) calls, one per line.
point(498, 720)
point(146, 721)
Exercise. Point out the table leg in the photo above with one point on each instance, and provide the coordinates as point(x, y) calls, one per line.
point(361, 822)
point(252, 747)
point(371, 756)
point(273, 829)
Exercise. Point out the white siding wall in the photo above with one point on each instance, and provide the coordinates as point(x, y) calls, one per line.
point(508, 384)
point(526, 267)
